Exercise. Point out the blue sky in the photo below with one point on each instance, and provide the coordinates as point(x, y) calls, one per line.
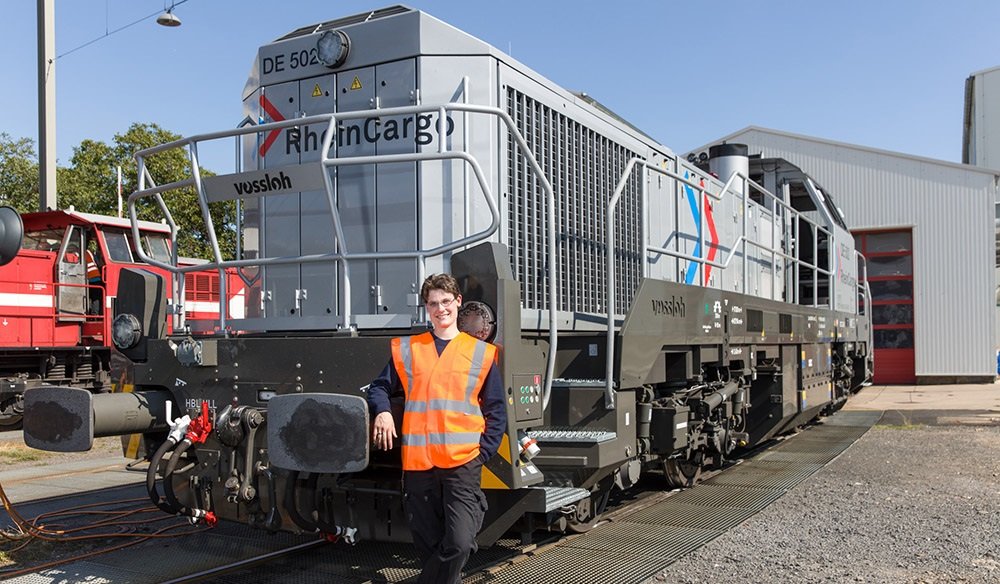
point(886, 74)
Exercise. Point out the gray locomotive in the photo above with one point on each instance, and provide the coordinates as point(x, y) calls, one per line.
point(653, 314)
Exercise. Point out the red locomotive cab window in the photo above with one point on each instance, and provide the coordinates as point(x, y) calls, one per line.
point(118, 247)
point(121, 247)
point(43, 240)
point(157, 246)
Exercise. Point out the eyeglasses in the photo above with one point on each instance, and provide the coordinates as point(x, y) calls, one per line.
point(441, 304)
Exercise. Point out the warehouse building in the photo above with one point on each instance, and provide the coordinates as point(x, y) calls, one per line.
point(927, 228)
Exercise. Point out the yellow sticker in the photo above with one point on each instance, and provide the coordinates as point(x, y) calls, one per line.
point(356, 84)
point(317, 92)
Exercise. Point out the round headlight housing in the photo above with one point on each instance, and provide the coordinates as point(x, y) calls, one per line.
point(126, 330)
point(332, 48)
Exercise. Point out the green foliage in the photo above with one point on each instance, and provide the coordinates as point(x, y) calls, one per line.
point(18, 173)
point(89, 184)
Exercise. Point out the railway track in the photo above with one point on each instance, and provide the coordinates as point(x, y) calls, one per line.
point(644, 530)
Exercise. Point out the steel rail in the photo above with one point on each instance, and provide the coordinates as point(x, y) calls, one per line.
point(217, 571)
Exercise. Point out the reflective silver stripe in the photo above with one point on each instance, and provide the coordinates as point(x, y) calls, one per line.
point(406, 354)
point(451, 405)
point(413, 440)
point(455, 438)
point(441, 439)
point(415, 406)
point(475, 369)
point(455, 406)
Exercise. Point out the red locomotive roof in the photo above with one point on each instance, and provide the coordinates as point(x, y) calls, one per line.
point(63, 217)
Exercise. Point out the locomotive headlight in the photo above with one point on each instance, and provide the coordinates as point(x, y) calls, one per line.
point(332, 48)
point(126, 330)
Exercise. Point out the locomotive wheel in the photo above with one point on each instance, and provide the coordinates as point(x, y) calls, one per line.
point(589, 511)
point(681, 472)
point(585, 518)
point(578, 526)
point(10, 415)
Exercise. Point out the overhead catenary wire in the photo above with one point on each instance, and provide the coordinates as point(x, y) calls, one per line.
point(108, 33)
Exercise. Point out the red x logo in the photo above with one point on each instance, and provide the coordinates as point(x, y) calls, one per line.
point(276, 116)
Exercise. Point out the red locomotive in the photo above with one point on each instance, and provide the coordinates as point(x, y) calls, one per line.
point(57, 297)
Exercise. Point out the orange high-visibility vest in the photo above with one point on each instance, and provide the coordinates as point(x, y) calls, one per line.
point(93, 272)
point(442, 421)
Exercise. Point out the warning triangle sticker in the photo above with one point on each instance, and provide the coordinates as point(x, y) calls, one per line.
point(317, 92)
point(356, 84)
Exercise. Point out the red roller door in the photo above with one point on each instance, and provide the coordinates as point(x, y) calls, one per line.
point(890, 276)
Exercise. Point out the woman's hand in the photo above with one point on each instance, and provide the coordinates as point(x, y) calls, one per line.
point(383, 431)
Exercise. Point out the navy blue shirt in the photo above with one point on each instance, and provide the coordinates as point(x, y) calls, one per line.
point(491, 401)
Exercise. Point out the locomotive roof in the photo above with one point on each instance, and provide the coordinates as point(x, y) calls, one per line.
point(414, 33)
point(62, 217)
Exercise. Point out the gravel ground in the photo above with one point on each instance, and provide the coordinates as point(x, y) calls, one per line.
point(904, 504)
point(14, 454)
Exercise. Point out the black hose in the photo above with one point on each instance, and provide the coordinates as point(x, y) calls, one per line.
point(308, 494)
point(154, 464)
point(168, 481)
point(292, 505)
point(272, 521)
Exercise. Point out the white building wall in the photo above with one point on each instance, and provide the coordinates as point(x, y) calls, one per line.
point(982, 137)
point(950, 208)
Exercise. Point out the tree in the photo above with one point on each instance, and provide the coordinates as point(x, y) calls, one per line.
point(18, 173)
point(90, 185)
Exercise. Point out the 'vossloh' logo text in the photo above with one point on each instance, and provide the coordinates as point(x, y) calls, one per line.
point(264, 185)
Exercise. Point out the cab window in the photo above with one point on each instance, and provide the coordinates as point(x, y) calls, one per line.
point(156, 246)
point(43, 240)
point(118, 247)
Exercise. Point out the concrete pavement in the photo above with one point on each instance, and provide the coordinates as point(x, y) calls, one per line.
point(934, 405)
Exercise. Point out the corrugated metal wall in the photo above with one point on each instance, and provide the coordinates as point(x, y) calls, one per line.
point(983, 135)
point(951, 211)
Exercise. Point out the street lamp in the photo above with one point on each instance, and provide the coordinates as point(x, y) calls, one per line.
point(168, 18)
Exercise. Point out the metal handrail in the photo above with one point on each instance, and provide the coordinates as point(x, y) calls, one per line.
point(342, 255)
point(866, 292)
point(50, 312)
point(609, 395)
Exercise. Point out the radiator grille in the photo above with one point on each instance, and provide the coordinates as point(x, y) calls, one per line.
point(584, 168)
point(201, 287)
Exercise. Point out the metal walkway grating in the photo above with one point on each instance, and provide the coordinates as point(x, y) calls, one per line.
point(708, 495)
point(631, 539)
point(770, 465)
point(684, 515)
point(781, 480)
point(575, 566)
point(820, 458)
point(638, 545)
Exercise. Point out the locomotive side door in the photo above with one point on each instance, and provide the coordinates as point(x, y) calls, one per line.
point(319, 280)
point(396, 195)
point(71, 291)
point(356, 185)
point(280, 213)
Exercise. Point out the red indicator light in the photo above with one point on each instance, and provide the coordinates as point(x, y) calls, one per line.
point(538, 379)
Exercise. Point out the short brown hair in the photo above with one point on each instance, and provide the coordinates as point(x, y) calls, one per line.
point(443, 282)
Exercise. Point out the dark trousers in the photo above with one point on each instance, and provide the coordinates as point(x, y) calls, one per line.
point(445, 507)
